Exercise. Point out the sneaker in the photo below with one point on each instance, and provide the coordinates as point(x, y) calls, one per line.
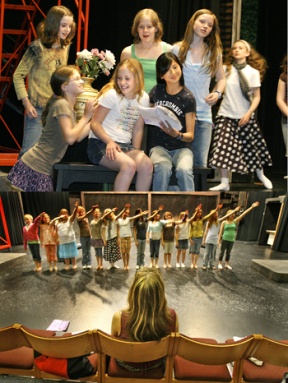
point(67, 268)
point(183, 265)
point(84, 267)
point(74, 267)
point(137, 267)
point(50, 268)
point(220, 266)
point(228, 267)
point(39, 269)
point(195, 267)
point(204, 267)
point(169, 266)
point(55, 268)
point(165, 266)
point(88, 267)
point(116, 267)
point(221, 187)
point(177, 264)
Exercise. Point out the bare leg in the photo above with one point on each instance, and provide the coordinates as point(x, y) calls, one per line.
point(144, 169)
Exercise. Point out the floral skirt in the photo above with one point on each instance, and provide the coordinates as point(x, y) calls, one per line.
point(112, 250)
point(238, 149)
point(29, 180)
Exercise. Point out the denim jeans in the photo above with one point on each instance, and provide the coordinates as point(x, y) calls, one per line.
point(86, 250)
point(141, 252)
point(163, 161)
point(209, 256)
point(201, 143)
point(154, 248)
point(32, 131)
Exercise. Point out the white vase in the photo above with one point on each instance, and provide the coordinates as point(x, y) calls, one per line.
point(89, 92)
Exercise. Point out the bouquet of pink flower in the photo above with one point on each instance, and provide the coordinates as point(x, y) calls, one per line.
point(92, 63)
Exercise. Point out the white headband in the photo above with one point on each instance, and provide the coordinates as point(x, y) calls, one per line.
point(246, 44)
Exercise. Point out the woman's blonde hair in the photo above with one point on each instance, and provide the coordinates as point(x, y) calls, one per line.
point(28, 216)
point(255, 59)
point(148, 316)
point(213, 45)
point(156, 22)
point(135, 67)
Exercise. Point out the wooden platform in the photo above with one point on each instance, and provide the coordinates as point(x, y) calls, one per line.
point(275, 269)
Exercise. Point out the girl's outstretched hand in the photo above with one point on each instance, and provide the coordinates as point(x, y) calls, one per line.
point(255, 204)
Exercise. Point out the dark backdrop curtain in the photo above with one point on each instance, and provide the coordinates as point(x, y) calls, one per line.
point(17, 204)
point(13, 212)
point(272, 44)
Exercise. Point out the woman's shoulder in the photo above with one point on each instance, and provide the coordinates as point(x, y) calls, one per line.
point(127, 52)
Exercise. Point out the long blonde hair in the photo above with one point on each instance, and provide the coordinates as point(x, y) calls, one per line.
point(213, 45)
point(133, 66)
point(148, 316)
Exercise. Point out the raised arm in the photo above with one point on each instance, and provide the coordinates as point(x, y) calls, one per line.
point(228, 214)
point(73, 216)
point(241, 216)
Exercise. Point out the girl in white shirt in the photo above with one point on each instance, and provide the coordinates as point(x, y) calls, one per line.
point(117, 128)
point(238, 144)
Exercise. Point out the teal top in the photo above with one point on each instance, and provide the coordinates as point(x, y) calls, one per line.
point(229, 232)
point(149, 68)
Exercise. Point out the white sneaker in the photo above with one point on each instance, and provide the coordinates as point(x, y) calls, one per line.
point(266, 182)
point(228, 267)
point(137, 267)
point(220, 266)
point(177, 264)
point(221, 187)
point(183, 265)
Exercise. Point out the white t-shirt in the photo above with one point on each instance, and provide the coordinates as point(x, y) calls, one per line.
point(66, 232)
point(234, 104)
point(124, 227)
point(212, 234)
point(183, 232)
point(119, 122)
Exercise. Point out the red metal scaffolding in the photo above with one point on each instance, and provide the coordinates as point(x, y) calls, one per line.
point(13, 41)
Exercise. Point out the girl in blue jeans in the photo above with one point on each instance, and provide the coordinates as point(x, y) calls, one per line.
point(171, 148)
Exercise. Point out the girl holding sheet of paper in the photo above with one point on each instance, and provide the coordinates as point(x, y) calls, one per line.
point(171, 147)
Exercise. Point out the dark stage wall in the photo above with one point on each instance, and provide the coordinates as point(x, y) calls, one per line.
point(110, 28)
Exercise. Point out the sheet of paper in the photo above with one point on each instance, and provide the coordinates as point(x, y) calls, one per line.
point(153, 116)
point(59, 325)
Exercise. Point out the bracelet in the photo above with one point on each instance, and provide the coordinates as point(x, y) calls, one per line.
point(219, 94)
point(180, 136)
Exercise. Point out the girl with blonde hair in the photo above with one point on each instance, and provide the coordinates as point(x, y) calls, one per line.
point(238, 143)
point(117, 128)
point(146, 318)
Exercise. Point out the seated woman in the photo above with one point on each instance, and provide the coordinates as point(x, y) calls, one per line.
point(117, 128)
point(171, 148)
point(146, 318)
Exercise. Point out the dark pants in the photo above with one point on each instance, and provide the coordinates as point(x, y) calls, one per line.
point(154, 248)
point(225, 245)
point(35, 251)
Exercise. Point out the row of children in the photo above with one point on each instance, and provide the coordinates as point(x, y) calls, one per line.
point(114, 233)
